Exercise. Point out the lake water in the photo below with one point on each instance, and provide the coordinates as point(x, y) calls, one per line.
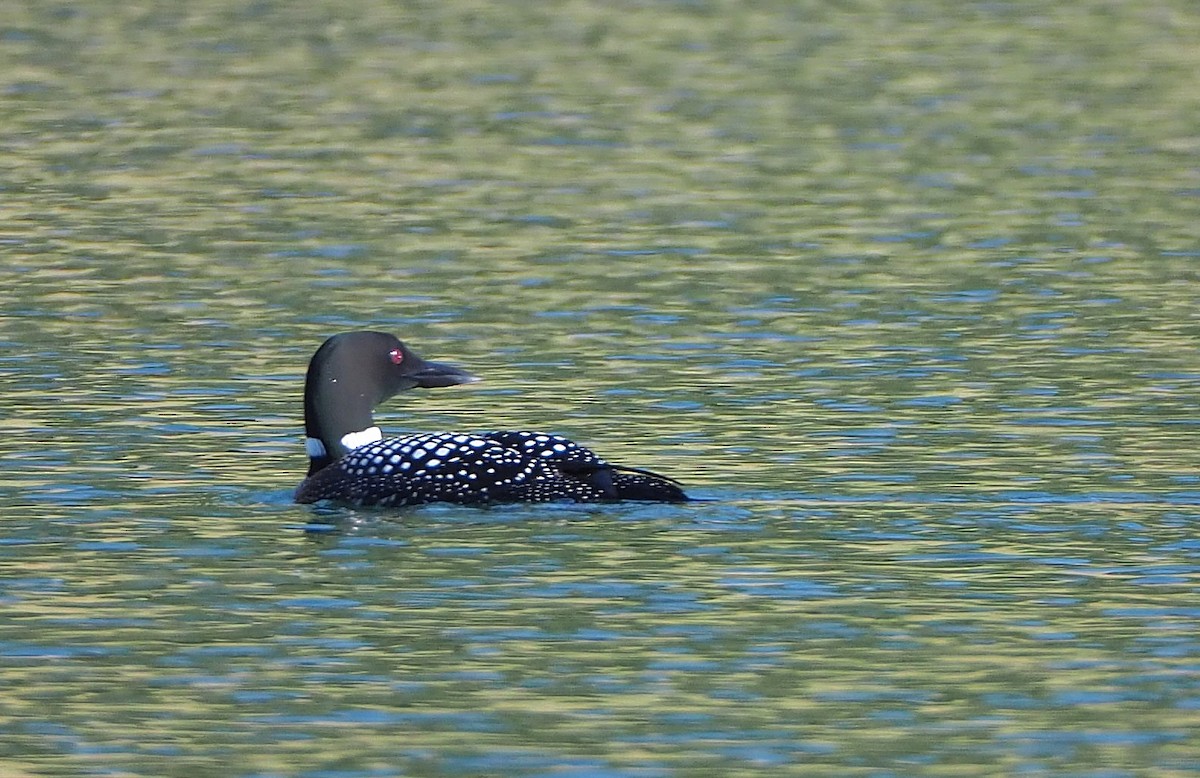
point(908, 291)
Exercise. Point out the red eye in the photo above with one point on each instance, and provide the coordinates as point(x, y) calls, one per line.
point(396, 355)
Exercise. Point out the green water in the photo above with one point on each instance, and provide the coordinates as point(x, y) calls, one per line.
point(908, 290)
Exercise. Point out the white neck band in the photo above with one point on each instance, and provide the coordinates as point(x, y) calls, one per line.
point(353, 440)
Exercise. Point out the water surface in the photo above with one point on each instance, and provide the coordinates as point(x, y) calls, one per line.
point(906, 291)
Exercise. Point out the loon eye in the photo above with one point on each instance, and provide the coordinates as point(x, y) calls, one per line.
point(396, 355)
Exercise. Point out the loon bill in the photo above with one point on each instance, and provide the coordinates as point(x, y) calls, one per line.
point(351, 462)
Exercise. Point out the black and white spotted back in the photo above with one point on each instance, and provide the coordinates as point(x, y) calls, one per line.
point(480, 467)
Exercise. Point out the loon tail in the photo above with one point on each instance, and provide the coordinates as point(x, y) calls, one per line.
point(632, 483)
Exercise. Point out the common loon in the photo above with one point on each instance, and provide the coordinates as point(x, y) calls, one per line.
point(351, 462)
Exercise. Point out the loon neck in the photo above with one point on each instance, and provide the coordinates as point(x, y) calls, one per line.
point(321, 454)
point(332, 427)
point(338, 404)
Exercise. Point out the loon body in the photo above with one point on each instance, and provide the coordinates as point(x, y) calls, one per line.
point(351, 462)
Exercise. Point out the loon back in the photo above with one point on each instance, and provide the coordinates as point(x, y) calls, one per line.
point(351, 462)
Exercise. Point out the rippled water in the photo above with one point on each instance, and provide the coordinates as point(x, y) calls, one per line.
point(906, 292)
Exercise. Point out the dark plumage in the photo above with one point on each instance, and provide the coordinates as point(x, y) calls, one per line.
point(351, 462)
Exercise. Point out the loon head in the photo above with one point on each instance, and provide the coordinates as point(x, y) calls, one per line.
point(350, 374)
